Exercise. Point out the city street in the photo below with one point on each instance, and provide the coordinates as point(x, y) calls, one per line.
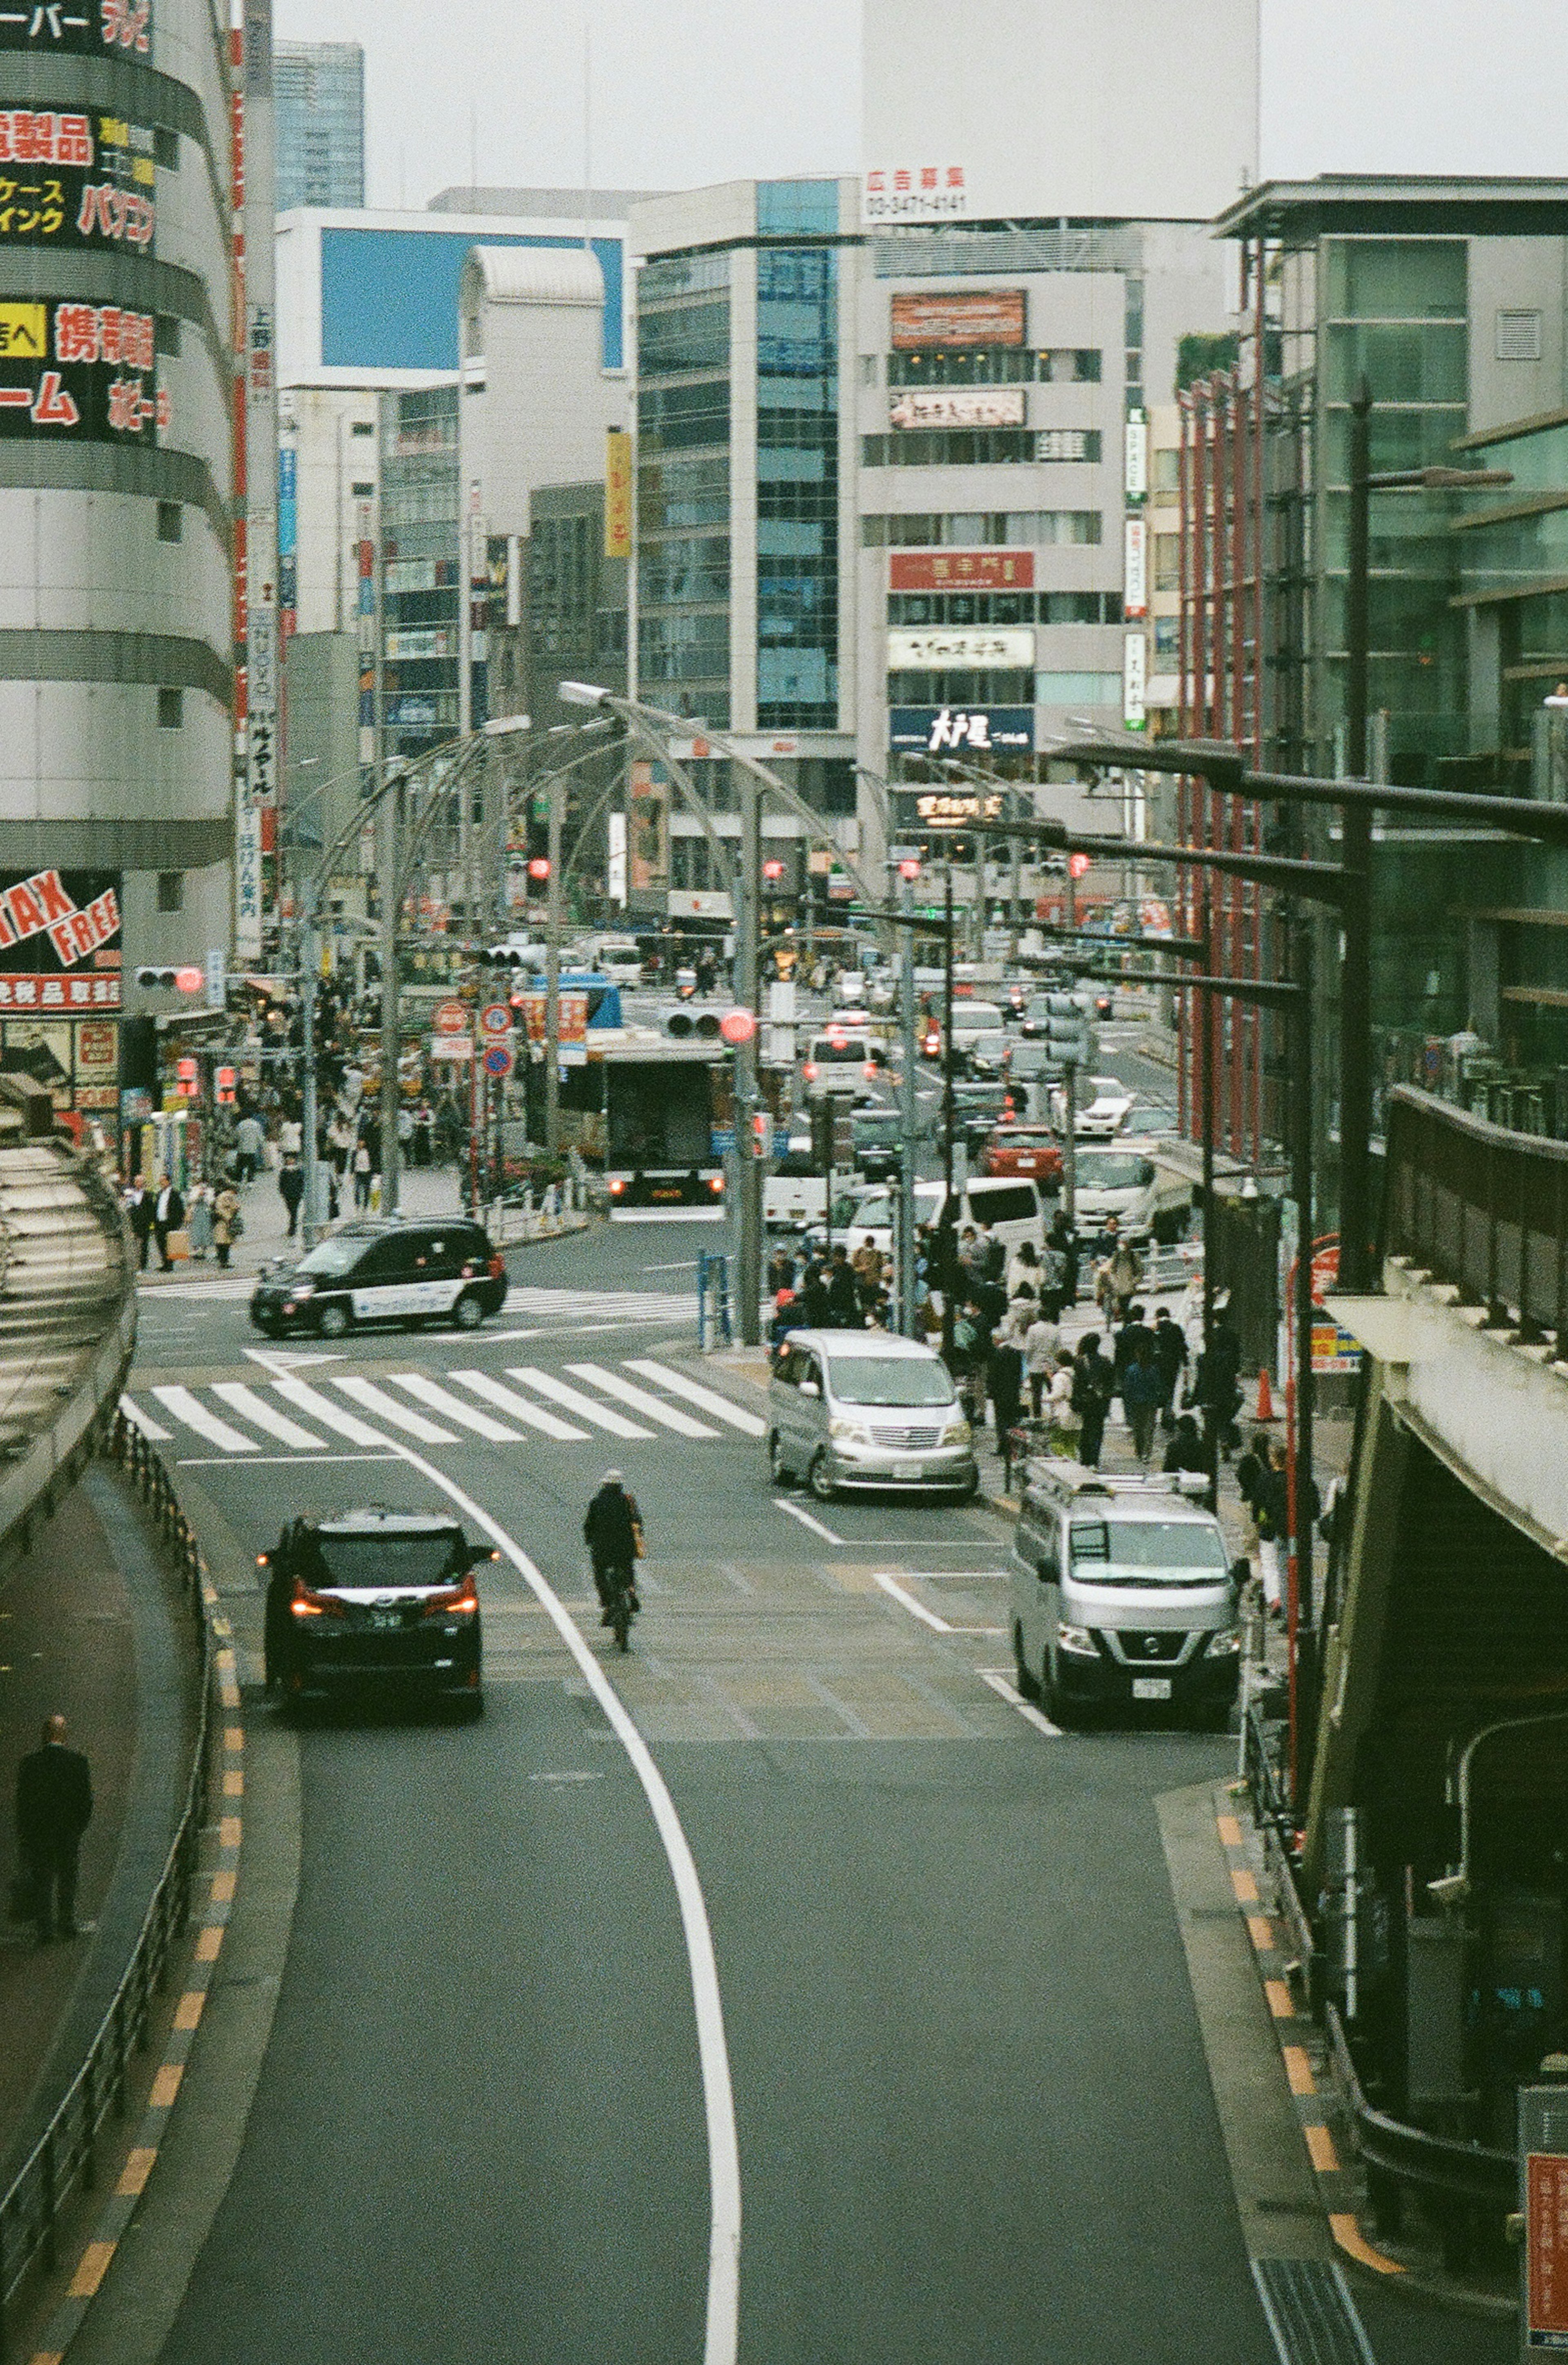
point(971, 2095)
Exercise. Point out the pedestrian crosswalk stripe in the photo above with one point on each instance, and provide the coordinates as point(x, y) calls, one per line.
point(321, 1409)
point(640, 1400)
point(264, 1416)
point(709, 1398)
point(452, 1408)
point(194, 1414)
point(632, 1305)
point(482, 1385)
point(575, 1401)
point(376, 1400)
point(144, 1421)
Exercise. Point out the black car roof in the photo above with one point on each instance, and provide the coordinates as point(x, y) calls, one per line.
point(375, 1521)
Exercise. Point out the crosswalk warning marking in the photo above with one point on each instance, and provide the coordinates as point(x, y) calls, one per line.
point(695, 1393)
point(602, 1416)
point(376, 1400)
point(194, 1414)
point(144, 1421)
point(451, 1407)
point(640, 1400)
point(519, 1408)
point(255, 1408)
point(307, 1399)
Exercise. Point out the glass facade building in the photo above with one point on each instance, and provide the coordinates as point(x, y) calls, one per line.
point(797, 460)
point(683, 484)
point(422, 570)
point(318, 96)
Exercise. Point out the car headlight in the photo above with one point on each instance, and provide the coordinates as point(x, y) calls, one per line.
point(1223, 1643)
point(957, 1433)
point(302, 1289)
point(1078, 1640)
point(849, 1433)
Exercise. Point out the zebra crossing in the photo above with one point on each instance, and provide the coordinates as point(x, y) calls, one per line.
point(644, 1400)
point(614, 1309)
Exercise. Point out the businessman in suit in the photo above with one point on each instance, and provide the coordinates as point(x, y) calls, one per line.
point(54, 1807)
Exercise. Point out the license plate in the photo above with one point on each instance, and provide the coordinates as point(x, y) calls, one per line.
point(1151, 1688)
point(904, 1468)
point(385, 1621)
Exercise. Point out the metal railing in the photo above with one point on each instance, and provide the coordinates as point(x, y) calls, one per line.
point(1467, 2189)
point(64, 2161)
point(1481, 1208)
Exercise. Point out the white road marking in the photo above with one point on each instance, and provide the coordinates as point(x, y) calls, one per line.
point(640, 1400)
point(723, 2331)
point(442, 1401)
point(278, 1359)
point(241, 1399)
point(481, 1385)
point(916, 1608)
point(1009, 1691)
point(816, 1526)
point(684, 1264)
point(575, 1401)
point(194, 1414)
point(279, 1461)
point(376, 1400)
point(709, 1398)
point(144, 1421)
point(321, 1409)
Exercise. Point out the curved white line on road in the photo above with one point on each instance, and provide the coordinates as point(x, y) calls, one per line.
point(724, 2150)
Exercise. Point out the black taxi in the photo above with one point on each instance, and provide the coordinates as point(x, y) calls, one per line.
point(381, 1271)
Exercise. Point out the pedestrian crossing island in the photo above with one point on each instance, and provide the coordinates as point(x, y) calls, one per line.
point(642, 1400)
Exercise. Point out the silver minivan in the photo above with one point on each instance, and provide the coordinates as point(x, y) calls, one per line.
point(1124, 1596)
point(863, 1409)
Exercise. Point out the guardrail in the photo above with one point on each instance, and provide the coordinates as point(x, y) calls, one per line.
point(65, 2160)
point(1479, 1207)
point(1468, 2189)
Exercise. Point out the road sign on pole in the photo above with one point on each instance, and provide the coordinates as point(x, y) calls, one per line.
point(450, 1018)
point(498, 1059)
point(495, 1018)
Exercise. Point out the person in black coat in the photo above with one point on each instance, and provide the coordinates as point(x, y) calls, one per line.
point(168, 1214)
point(844, 1294)
point(610, 1531)
point(54, 1807)
point(139, 1205)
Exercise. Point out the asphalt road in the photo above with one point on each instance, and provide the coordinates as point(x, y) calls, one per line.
point(973, 2109)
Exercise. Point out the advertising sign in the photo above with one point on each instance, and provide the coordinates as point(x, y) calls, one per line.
point(617, 494)
point(247, 878)
point(77, 28)
point(906, 192)
point(74, 180)
point(572, 1024)
point(955, 647)
point(60, 941)
point(947, 809)
point(80, 371)
point(978, 316)
point(959, 730)
point(957, 406)
point(1135, 672)
point(615, 843)
point(1546, 2258)
point(1334, 1348)
point(647, 827)
point(1135, 567)
point(1066, 444)
point(1135, 471)
point(960, 570)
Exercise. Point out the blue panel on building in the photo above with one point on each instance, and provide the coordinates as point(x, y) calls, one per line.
point(389, 296)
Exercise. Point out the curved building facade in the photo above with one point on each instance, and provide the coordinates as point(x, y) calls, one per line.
point(115, 460)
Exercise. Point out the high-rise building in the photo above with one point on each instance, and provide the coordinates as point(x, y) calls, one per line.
point(117, 395)
point(319, 91)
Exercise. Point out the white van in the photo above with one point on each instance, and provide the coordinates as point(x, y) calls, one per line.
point(1010, 1203)
point(1123, 1594)
point(617, 958)
point(1148, 1200)
point(862, 1409)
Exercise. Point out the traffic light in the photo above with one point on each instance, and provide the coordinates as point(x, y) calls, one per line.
point(1067, 1032)
point(172, 981)
point(539, 837)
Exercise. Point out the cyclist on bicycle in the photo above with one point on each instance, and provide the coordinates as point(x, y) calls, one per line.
point(613, 1533)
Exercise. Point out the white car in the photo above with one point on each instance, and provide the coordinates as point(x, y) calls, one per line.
point(1102, 1106)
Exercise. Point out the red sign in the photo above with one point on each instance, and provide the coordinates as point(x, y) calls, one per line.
point(450, 1018)
point(960, 570)
point(1546, 2239)
point(980, 316)
point(495, 1018)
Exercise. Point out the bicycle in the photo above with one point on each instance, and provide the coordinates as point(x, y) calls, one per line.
point(622, 1606)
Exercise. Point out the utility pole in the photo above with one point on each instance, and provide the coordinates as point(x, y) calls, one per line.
point(948, 1261)
point(1355, 960)
point(1070, 1142)
point(391, 902)
point(1206, 1025)
point(309, 969)
point(748, 1163)
point(908, 1113)
point(556, 788)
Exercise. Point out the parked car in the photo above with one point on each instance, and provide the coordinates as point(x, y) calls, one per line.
point(374, 1271)
point(1124, 1595)
point(1102, 1106)
point(1032, 1149)
point(1010, 1205)
point(862, 1409)
point(374, 1596)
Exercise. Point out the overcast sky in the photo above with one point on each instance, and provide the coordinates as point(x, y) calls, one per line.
point(686, 92)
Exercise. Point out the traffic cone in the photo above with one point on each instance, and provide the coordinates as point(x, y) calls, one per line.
point(1265, 1396)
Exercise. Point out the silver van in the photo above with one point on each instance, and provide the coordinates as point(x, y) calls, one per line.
point(862, 1409)
point(1124, 1595)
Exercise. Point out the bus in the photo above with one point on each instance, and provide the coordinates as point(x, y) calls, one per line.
point(651, 1115)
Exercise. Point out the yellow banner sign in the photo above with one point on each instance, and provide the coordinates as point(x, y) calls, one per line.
point(617, 494)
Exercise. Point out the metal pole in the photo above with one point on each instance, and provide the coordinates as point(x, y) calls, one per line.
point(557, 789)
point(1211, 1425)
point(310, 964)
point(1303, 1610)
point(947, 1262)
point(748, 1165)
point(908, 1107)
point(391, 912)
point(1355, 970)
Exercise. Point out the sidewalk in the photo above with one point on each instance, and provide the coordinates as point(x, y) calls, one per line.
point(88, 1629)
point(425, 1191)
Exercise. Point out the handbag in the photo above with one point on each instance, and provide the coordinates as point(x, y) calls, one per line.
point(639, 1547)
point(179, 1247)
point(236, 1225)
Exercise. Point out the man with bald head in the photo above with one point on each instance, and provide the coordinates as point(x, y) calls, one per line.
point(54, 1807)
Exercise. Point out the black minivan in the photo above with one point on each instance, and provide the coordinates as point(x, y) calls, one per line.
point(383, 1271)
point(374, 1596)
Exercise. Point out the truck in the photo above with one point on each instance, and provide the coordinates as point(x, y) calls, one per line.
point(651, 1116)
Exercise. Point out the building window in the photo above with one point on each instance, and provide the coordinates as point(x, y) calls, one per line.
point(979, 447)
point(1165, 472)
point(362, 427)
point(970, 529)
point(172, 889)
point(364, 492)
point(1168, 562)
point(171, 709)
point(171, 521)
point(166, 149)
point(796, 485)
point(1167, 636)
point(1518, 336)
point(1078, 688)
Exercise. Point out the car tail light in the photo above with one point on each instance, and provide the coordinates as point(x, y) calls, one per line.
point(306, 1604)
point(869, 1071)
point(810, 1072)
point(459, 1600)
point(495, 1268)
point(617, 1186)
point(715, 1183)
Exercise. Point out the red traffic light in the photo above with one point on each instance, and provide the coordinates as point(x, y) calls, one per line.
point(189, 981)
point(773, 868)
point(1077, 864)
point(539, 867)
point(909, 869)
point(737, 1026)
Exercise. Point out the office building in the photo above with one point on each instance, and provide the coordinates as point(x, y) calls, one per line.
point(115, 595)
point(318, 97)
